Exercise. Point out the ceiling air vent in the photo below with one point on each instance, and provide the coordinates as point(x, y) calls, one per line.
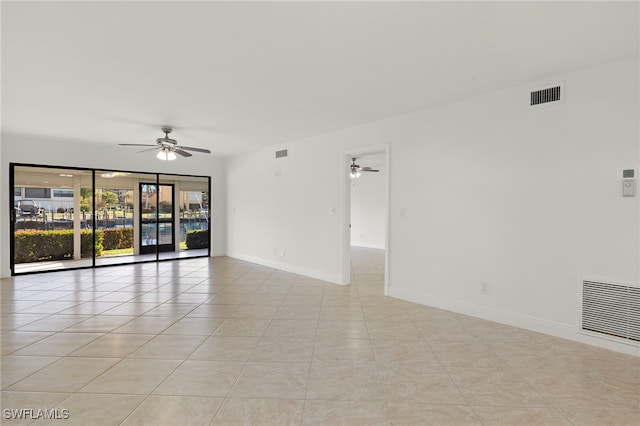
point(612, 310)
point(553, 93)
point(282, 153)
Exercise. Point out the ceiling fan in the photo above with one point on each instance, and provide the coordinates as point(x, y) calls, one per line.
point(168, 148)
point(356, 169)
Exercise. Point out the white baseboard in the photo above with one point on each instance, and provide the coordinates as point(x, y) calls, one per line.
point(565, 331)
point(307, 272)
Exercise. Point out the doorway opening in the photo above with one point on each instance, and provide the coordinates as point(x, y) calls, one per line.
point(366, 248)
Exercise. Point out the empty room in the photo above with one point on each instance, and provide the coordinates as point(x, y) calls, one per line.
point(320, 213)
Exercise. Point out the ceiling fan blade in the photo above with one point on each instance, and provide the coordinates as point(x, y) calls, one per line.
point(368, 169)
point(189, 148)
point(150, 149)
point(136, 144)
point(181, 152)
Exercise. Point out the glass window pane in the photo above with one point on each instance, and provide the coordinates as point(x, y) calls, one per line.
point(192, 199)
point(50, 233)
point(125, 216)
point(37, 192)
point(63, 193)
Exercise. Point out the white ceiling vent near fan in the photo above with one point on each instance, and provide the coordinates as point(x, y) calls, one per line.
point(550, 93)
point(282, 153)
point(611, 311)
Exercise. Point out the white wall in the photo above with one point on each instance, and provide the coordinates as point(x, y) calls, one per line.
point(18, 149)
point(4, 186)
point(286, 212)
point(368, 206)
point(525, 199)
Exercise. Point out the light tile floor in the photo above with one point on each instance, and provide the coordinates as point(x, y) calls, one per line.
point(225, 342)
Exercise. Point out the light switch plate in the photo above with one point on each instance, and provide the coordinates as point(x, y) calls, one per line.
point(628, 188)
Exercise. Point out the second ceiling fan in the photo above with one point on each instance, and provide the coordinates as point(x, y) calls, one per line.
point(356, 169)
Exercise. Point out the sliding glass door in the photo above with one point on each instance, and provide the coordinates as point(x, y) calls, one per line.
point(51, 219)
point(156, 218)
point(66, 218)
point(190, 212)
point(117, 215)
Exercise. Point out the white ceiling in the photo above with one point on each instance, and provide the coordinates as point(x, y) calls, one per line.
point(235, 77)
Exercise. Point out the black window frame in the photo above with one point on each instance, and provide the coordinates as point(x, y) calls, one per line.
point(93, 171)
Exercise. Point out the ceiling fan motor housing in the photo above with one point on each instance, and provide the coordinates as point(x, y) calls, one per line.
point(167, 141)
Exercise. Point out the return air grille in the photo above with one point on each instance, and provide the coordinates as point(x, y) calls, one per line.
point(546, 95)
point(282, 153)
point(611, 309)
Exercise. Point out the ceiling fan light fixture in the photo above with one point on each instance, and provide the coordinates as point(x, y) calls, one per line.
point(166, 154)
point(355, 169)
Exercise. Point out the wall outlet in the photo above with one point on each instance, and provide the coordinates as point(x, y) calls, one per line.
point(485, 288)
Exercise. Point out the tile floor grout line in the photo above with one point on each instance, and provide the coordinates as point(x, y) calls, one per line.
point(244, 367)
point(313, 352)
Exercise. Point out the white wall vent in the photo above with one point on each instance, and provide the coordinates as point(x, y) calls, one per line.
point(547, 94)
point(611, 309)
point(282, 153)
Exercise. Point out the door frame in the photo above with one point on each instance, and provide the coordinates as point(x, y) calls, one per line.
point(346, 219)
point(158, 248)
